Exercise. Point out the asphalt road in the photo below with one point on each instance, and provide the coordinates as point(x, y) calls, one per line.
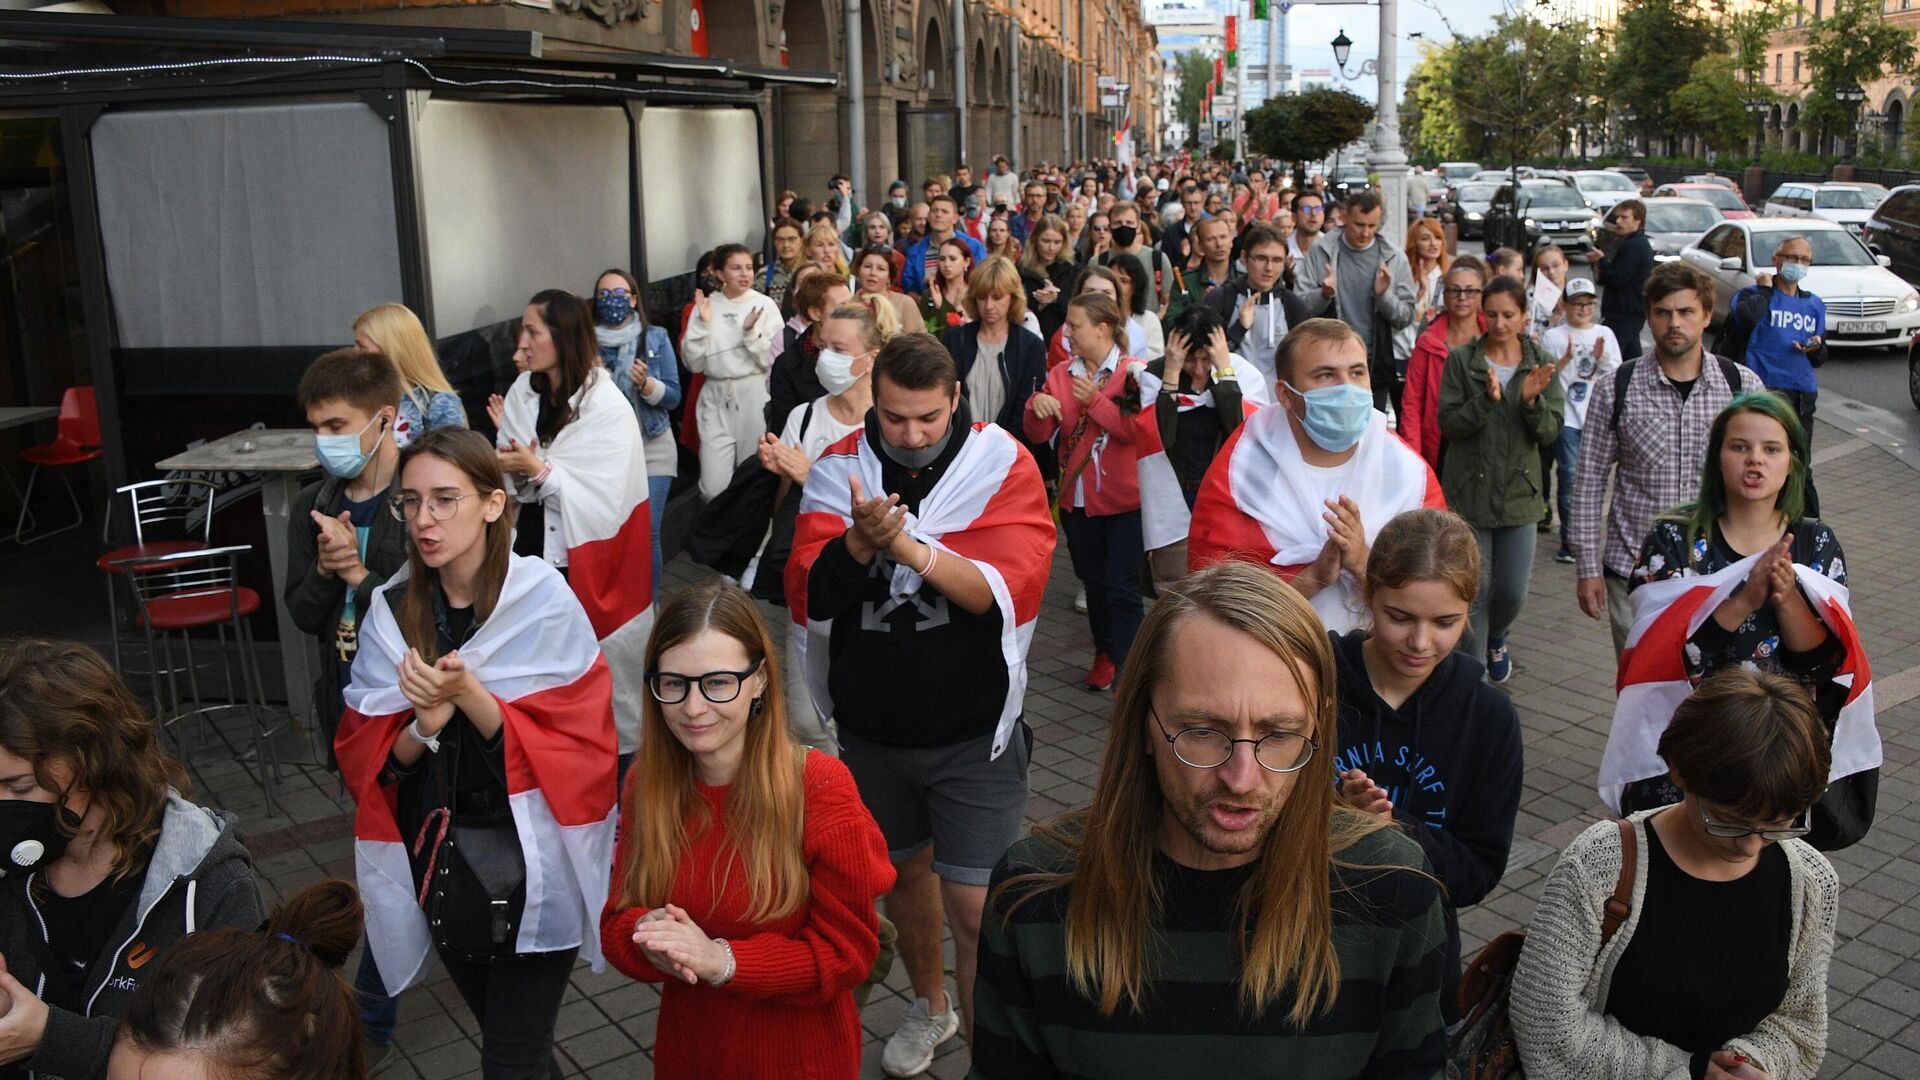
point(1865, 391)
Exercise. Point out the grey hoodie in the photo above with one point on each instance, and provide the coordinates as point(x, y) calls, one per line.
point(1353, 283)
point(199, 877)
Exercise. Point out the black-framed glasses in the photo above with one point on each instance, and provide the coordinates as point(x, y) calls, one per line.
point(442, 507)
point(1451, 291)
point(1740, 832)
point(1206, 748)
point(719, 687)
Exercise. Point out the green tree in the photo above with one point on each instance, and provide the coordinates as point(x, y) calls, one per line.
point(1518, 84)
point(1308, 126)
point(1440, 133)
point(1196, 70)
point(1849, 49)
point(1656, 43)
point(1713, 103)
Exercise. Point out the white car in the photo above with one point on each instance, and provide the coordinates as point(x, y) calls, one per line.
point(1605, 190)
point(1868, 305)
point(1846, 204)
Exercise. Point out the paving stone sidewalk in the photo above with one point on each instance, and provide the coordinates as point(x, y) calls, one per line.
point(1562, 687)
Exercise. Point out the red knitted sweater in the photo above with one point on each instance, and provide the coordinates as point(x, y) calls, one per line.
point(789, 1011)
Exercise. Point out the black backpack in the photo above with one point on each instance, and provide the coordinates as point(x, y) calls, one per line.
point(1623, 376)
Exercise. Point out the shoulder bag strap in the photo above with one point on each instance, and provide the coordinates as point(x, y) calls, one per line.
point(1620, 904)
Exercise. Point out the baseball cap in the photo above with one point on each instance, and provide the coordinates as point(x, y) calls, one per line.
point(1580, 287)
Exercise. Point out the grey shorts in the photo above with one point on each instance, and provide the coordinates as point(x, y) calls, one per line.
point(968, 807)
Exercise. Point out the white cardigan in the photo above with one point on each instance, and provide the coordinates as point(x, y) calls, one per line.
point(1560, 986)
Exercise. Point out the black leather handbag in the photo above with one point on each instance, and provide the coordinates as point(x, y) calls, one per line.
point(473, 872)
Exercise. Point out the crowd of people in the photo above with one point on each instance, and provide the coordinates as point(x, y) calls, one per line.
point(1300, 473)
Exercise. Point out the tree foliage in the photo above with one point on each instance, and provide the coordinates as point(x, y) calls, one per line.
point(1849, 49)
point(1656, 43)
point(1519, 84)
point(1307, 126)
point(1196, 70)
point(1713, 103)
point(1435, 130)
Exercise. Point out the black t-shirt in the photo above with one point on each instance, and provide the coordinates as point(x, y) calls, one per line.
point(1685, 387)
point(347, 634)
point(1708, 960)
point(79, 926)
point(530, 524)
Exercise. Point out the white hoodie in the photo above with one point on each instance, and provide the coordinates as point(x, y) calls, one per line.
point(726, 348)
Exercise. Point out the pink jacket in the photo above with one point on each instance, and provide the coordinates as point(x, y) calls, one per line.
point(1112, 474)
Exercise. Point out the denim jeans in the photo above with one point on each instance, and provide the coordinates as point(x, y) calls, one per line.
point(378, 1012)
point(516, 1002)
point(658, 488)
point(1506, 565)
point(1566, 454)
point(1107, 554)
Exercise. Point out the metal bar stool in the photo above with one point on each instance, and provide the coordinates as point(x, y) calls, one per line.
point(168, 516)
point(188, 590)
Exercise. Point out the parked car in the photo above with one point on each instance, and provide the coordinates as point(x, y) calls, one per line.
point(1673, 223)
point(1457, 172)
point(1466, 206)
point(1636, 174)
point(1878, 191)
point(1550, 210)
point(1605, 189)
point(1711, 178)
point(1894, 228)
point(1868, 306)
point(1913, 370)
point(1501, 176)
point(1846, 204)
point(1729, 202)
point(1349, 178)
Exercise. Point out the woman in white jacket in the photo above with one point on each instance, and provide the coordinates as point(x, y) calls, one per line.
point(1719, 970)
point(729, 339)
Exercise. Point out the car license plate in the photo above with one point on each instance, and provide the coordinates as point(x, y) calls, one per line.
point(1850, 326)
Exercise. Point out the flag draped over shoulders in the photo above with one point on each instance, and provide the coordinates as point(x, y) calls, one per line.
point(990, 508)
point(600, 486)
point(537, 654)
point(1653, 675)
point(1261, 502)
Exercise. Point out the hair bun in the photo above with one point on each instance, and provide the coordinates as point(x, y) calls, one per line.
point(323, 918)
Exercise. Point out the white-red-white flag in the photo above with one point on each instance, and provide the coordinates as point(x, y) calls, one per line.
point(1164, 517)
point(1653, 674)
point(598, 475)
point(990, 508)
point(1262, 503)
point(537, 655)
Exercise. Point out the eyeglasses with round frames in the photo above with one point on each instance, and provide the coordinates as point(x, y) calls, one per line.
point(1206, 748)
point(1740, 832)
point(442, 507)
point(719, 687)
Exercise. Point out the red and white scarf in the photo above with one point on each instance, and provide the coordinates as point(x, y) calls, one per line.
point(536, 653)
point(600, 465)
point(1261, 502)
point(990, 508)
point(1164, 517)
point(1653, 675)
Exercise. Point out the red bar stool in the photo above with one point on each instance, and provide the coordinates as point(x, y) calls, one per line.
point(77, 443)
point(194, 590)
point(168, 516)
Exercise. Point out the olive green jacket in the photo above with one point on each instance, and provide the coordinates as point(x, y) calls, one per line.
point(1491, 472)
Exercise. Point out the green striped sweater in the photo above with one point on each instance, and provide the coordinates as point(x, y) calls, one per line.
point(1030, 1024)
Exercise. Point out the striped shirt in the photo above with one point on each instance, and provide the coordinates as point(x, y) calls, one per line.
point(1655, 457)
point(1388, 931)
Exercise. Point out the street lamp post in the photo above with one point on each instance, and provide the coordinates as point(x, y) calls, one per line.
point(1851, 97)
point(1757, 108)
point(1386, 160)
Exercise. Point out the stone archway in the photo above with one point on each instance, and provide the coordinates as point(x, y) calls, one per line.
point(1001, 138)
point(934, 75)
point(1794, 135)
point(809, 117)
point(1893, 129)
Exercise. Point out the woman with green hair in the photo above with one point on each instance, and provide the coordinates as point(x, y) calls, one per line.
point(1752, 491)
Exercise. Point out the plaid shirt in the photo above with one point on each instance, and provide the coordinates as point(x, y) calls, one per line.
point(1658, 448)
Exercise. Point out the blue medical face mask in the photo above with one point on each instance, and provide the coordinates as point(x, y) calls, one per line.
point(340, 455)
point(1793, 273)
point(613, 307)
point(1336, 416)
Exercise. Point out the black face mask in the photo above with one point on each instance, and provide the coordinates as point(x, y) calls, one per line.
point(29, 836)
point(1124, 235)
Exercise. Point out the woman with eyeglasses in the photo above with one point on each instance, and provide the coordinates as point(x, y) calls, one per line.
point(1719, 968)
point(640, 358)
point(1458, 323)
point(748, 868)
point(1752, 494)
point(1424, 742)
point(480, 746)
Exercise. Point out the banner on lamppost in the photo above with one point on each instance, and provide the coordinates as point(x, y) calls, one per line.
point(1233, 41)
point(1260, 9)
point(1219, 71)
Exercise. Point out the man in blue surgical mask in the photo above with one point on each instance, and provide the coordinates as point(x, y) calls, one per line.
point(343, 542)
point(1778, 328)
point(1306, 483)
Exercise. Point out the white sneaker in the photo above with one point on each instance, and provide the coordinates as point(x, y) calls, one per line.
point(909, 1050)
point(1080, 602)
